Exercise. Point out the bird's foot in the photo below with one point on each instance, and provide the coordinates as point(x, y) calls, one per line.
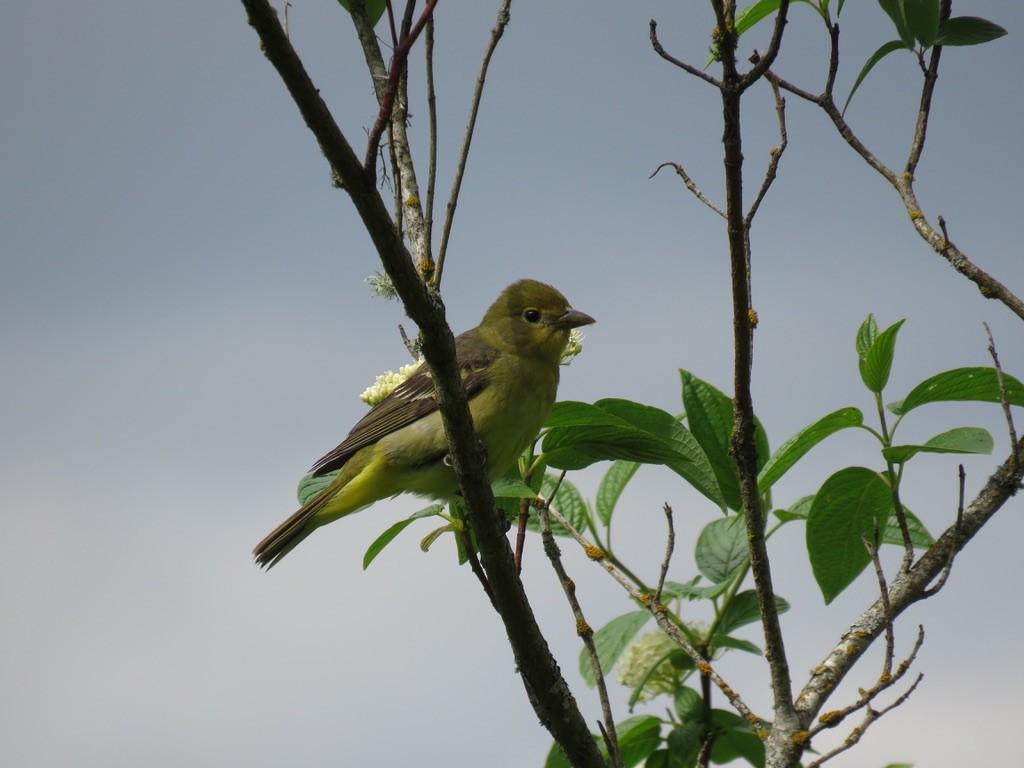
point(481, 446)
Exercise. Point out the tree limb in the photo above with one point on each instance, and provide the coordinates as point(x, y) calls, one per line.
point(546, 688)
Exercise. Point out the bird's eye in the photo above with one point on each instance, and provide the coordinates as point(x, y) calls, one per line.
point(532, 316)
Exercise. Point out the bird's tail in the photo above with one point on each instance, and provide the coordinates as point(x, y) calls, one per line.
point(292, 531)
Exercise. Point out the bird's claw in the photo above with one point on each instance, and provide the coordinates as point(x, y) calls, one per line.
point(481, 446)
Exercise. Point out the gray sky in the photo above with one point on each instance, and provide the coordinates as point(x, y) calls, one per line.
point(185, 328)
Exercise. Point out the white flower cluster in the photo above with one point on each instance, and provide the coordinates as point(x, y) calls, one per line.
point(386, 382)
point(574, 347)
point(636, 664)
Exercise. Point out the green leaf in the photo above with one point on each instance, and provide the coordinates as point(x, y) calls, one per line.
point(681, 660)
point(657, 759)
point(919, 535)
point(735, 740)
point(799, 444)
point(638, 737)
point(580, 434)
point(389, 535)
point(611, 487)
point(845, 511)
point(877, 56)
point(960, 440)
point(568, 501)
point(556, 757)
point(797, 511)
point(374, 8)
point(722, 548)
point(689, 705)
point(753, 13)
point(922, 19)
point(509, 490)
point(968, 30)
point(610, 641)
point(727, 641)
point(746, 18)
point(975, 384)
point(709, 415)
point(690, 590)
point(895, 10)
point(876, 364)
point(866, 335)
point(743, 609)
point(683, 743)
point(511, 485)
point(310, 486)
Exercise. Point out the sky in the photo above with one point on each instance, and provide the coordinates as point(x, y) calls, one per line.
point(185, 327)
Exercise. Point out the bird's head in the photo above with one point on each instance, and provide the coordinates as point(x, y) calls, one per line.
point(532, 318)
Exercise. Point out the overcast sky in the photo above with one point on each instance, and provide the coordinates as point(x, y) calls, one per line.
point(185, 327)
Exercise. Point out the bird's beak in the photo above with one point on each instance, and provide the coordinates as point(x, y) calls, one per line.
point(574, 319)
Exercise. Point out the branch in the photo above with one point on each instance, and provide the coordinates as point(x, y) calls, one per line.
point(870, 716)
point(407, 190)
point(428, 217)
point(460, 168)
point(583, 628)
point(743, 446)
point(546, 688)
point(775, 155)
point(387, 101)
point(681, 172)
point(990, 287)
point(1004, 398)
point(909, 587)
point(764, 63)
point(689, 68)
point(670, 545)
point(940, 582)
point(665, 623)
point(931, 76)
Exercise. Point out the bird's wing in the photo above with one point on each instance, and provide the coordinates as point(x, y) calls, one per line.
point(412, 400)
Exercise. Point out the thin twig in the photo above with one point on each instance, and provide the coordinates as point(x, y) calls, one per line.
point(1004, 398)
point(690, 186)
point(833, 59)
point(990, 287)
point(665, 623)
point(764, 63)
point(391, 24)
point(931, 76)
point(884, 682)
point(409, 213)
point(583, 629)
point(870, 716)
point(428, 216)
point(689, 68)
point(460, 169)
point(387, 103)
point(890, 640)
point(775, 154)
point(670, 545)
point(524, 516)
point(474, 564)
point(948, 567)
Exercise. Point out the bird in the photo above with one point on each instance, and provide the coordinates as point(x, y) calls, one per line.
point(510, 369)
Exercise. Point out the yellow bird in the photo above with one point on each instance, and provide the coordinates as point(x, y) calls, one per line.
point(510, 365)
